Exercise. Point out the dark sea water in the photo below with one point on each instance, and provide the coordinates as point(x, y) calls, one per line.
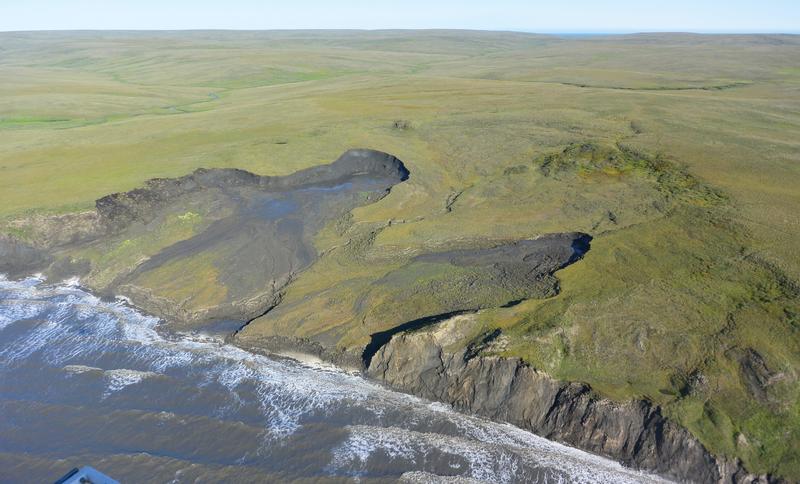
point(90, 382)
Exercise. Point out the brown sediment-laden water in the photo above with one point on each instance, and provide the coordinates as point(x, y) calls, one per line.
point(87, 381)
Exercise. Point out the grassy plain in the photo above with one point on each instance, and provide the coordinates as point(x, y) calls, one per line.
point(679, 153)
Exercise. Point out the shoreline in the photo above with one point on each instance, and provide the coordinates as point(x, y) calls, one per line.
point(311, 360)
point(467, 383)
point(338, 388)
point(645, 440)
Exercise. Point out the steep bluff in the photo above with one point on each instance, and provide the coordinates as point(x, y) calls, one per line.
point(18, 258)
point(427, 363)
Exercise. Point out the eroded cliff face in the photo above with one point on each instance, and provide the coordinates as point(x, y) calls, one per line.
point(17, 258)
point(429, 363)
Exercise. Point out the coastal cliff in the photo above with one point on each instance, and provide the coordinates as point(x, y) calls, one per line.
point(506, 389)
point(282, 260)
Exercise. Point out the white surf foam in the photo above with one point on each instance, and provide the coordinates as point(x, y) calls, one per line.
point(79, 369)
point(122, 378)
point(486, 460)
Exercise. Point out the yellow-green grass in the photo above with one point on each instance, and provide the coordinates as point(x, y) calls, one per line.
point(118, 256)
point(699, 259)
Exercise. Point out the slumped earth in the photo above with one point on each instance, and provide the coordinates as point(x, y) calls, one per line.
point(676, 155)
point(221, 244)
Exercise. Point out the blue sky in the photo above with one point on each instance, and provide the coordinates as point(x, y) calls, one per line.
point(533, 15)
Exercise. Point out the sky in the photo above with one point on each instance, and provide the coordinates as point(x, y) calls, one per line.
point(550, 16)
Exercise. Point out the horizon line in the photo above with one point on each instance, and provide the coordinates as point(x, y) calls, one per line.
point(431, 29)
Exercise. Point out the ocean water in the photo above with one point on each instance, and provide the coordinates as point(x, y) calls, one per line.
point(84, 381)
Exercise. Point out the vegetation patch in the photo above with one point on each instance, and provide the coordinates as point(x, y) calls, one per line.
point(687, 333)
point(593, 160)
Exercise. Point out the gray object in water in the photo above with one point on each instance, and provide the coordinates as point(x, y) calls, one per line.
point(86, 475)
